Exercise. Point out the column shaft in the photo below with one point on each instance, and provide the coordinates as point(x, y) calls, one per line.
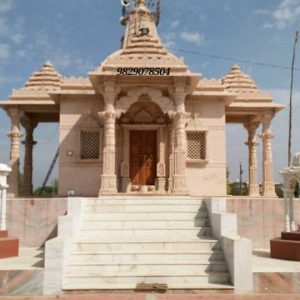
point(109, 178)
point(253, 170)
point(28, 159)
point(179, 179)
point(267, 136)
point(292, 212)
point(14, 161)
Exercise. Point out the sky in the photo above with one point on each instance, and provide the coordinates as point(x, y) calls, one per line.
point(76, 36)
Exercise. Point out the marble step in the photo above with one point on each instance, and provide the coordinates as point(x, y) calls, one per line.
point(171, 268)
point(147, 246)
point(175, 268)
point(159, 232)
point(144, 208)
point(141, 216)
point(130, 282)
point(111, 257)
point(186, 286)
point(147, 224)
point(142, 201)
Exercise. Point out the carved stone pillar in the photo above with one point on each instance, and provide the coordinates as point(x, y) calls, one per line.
point(292, 211)
point(253, 171)
point(14, 162)
point(161, 166)
point(29, 142)
point(125, 180)
point(171, 157)
point(267, 136)
point(109, 178)
point(179, 121)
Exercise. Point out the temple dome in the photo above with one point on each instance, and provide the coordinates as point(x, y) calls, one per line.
point(237, 81)
point(46, 78)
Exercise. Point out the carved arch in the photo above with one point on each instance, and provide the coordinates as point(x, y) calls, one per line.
point(124, 103)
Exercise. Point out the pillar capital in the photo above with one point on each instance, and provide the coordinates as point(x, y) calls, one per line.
point(14, 113)
point(28, 123)
point(251, 127)
point(109, 94)
point(267, 136)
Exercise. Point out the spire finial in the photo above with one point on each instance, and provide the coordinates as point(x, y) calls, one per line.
point(140, 2)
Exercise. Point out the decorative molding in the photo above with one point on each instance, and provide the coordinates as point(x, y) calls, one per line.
point(124, 103)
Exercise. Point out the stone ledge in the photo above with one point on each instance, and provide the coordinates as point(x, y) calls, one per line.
point(285, 249)
point(9, 247)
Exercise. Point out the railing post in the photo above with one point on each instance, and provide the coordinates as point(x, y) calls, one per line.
point(4, 171)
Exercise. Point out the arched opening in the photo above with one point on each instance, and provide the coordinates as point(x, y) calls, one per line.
point(142, 147)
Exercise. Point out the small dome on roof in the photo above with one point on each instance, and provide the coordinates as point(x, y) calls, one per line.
point(47, 77)
point(237, 81)
point(296, 160)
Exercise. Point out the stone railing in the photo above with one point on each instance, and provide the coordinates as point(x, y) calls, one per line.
point(58, 250)
point(237, 250)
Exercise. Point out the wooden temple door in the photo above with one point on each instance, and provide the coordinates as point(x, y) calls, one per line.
point(143, 149)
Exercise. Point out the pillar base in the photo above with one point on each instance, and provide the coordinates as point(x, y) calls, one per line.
point(108, 184)
point(269, 190)
point(9, 247)
point(254, 190)
point(161, 184)
point(125, 184)
point(179, 185)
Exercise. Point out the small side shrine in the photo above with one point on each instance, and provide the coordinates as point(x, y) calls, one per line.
point(288, 246)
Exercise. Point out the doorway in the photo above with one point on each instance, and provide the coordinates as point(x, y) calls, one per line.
point(143, 153)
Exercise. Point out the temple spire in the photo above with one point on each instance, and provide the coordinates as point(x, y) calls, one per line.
point(140, 3)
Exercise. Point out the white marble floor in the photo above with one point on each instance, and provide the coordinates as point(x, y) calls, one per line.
point(29, 259)
point(262, 263)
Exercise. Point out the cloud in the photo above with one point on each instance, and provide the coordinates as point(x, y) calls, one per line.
point(286, 14)
point(12, 32)
point(169, 39)
point(194, 38)
point(226, 8)
point(4, 28)
point(174, 24)
point(6, 5)
point(4, 51)
point(268, 25)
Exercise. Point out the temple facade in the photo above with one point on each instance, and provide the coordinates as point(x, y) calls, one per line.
point(142, 122)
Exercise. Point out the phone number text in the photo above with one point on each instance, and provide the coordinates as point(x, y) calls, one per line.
point(144, 71)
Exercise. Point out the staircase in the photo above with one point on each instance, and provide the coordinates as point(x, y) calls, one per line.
point(125, 241)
